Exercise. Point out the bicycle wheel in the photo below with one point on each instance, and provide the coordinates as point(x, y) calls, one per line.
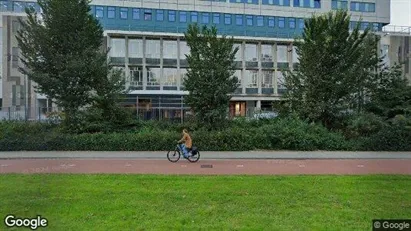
point(195, 158)
point(173, 156)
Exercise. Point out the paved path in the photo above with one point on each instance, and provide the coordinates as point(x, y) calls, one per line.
point(210, 155)
point(208, 167)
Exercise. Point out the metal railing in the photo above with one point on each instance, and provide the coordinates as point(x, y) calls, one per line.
point(397, 29)
point(170, 114)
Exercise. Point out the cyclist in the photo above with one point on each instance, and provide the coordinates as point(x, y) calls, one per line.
point(186, 143)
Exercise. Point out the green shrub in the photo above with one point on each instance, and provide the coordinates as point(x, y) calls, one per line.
point(389, 138)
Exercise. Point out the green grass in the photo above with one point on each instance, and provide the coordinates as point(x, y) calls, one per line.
point(136, 202)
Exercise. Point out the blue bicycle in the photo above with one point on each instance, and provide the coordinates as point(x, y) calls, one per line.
point(174, 155)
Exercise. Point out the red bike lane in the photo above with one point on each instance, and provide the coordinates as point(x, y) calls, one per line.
point(209, 167)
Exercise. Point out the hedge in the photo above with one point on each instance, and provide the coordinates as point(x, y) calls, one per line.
point(278, 134)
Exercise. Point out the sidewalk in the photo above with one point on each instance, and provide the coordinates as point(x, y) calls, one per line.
point(207, 155)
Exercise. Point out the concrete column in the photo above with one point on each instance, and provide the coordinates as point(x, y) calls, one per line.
point(144, 64)
point(161, 64)
point(178, 65)
point(259, 76)
point(243, 67)
point(275, 68)
point(258, 107)
point(126, 61)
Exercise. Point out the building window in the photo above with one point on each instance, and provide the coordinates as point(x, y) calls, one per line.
point(147, 15)
point(136, 76)
point(317, 4)
point(267, 79)
point(376, 27)
point(160, 15)
point(300, 23)
point(251, 52)
point(282, 54)
point(281, 22)
point(153, 76)
point(170, 76)
point(362, 6)
point(118, 47)
point(153, 49)
point(183, 16)
point(135, 48)
point(4, 5)
point(266, 53)
point(123, 13)
point(227, 19)
point(239, 20)
point(184, 50)
point(15, 26)
point(111, 12)
point(260, 21)
point(291, 22)
point(339, 4)
point(249, 20)
point(251, 78)
point(216, 18)
point(238, 55)
point(194, 16)
point(307, 3)
point(271, 21)
point(295, 55)
point(170, 49)
point(99, 12)
point(136, 14)
point(171, 16)
point(206, 18)
point(18, 7)
point(276, 2)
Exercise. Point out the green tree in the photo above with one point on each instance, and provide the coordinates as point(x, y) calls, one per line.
point(392, 94)
point(336, 70)
point(210, 79)
point(61, 52)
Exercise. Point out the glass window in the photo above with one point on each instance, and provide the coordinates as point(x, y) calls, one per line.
point(171, 16)
point(362, 7)
point(170, 76)
point(136, 76)
point(317, 4)
point(295, 55)
point(216, 18)
point(267, 79)
point(251, 78)
point(123, 13)
point(170, 49)
point(344, 5)
point(153, 76)
point(194, 16)
point(371, 7)
point(266, 53)
point(334, 4)
point(206, 18)
point(4, 5)
point(183, 76)
point(111, 12)
point(250, 53)
point(301, 23)
point(238, 55)
point(135, 48)
point(291, 22)
point(184, 49)
point(18, 7)
point(271, 21)
point(136, 14)
point(183, 16)
point(227, 19)
point(147, 15)
point(239, 20)
point(99, 12)
point(160, 15)
point(237, 74)
point(282, 54)
point(118, 47)
point(281, 22)
point(376, 26)
point(280, 80)
point(260, 21)
point(249, 20)
point(153, 49)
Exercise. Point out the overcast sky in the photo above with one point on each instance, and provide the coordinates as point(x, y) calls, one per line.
point(401, 12)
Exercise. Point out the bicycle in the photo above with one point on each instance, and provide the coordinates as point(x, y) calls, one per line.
point(174, 155)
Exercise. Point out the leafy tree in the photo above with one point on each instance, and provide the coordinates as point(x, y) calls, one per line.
point(336, 70)
point(210, 79)
point(61, 52)
point(392, 94)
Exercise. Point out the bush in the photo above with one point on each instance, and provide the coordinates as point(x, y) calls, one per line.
point(274, 134)
point(363, 125)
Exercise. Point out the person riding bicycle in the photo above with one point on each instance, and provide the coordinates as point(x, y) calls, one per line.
point(186, 143)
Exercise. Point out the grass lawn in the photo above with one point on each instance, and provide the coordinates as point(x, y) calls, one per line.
point(136, 202)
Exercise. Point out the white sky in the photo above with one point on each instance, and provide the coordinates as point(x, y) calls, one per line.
point(401, 12)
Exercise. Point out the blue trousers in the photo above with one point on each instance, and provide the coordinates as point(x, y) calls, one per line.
point(184, 149)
